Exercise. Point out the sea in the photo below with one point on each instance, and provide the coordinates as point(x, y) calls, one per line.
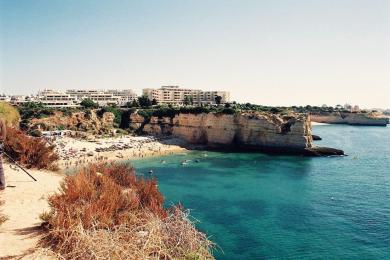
point(259, 206)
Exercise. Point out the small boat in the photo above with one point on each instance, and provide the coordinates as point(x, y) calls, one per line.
point(151, 171)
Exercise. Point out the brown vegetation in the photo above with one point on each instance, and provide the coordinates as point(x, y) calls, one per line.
point(106, 212)
point(30, 151)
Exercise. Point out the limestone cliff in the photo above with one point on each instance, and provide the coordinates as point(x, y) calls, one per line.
point(349, 118)
point(78, 121)
point(259, 131)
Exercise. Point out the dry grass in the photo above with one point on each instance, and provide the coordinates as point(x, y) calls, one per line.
point(30, 151)
point(9, 113)
point(106, 212)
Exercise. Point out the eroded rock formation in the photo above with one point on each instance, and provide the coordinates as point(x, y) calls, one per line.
point(258, 131)
point(77, 121)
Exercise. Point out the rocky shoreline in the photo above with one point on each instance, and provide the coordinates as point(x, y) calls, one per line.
point(362, 119)
point(243, 131)
point(261, 132)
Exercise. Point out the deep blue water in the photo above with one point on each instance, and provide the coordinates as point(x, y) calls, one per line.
point(257, 206)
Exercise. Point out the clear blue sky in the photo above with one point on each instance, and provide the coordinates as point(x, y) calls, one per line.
point(267, 52)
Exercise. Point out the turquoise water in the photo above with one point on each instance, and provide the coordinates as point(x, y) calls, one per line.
point(257, 206)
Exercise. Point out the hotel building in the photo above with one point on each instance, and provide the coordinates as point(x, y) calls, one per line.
point(178, 96)
point(104, 97)
point(55, 99)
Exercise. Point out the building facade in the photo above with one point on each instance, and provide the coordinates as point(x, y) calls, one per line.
point(55, 99)
point(72, 98)
point(104, 97)
point(18, 100)
point(181, 96)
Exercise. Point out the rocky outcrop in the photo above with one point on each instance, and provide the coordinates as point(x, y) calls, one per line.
point(370, 119)
point(77, 121)
point(136, 121)
point(316, 137)
point(256, 131)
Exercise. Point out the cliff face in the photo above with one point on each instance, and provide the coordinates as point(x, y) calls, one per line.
point(349, 118)
point(246, 130)
point(79, 121)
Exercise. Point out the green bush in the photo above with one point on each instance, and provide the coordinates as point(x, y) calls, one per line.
point(144, 101)
point(228, 111)
point(146, 113)
point(35, 133)
point(195, 110)
point(89, 103)
point(165, 112)
point(31, 110)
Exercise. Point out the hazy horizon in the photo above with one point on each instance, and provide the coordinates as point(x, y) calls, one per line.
point(263, 52)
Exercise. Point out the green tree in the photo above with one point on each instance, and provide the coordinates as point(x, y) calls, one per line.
point(218, 100)
point(144, 101)
point(133, 103)
point(188, 100)
point(88, 103)
point(154, 102)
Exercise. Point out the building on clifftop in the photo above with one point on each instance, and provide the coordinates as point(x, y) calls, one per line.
point(181, 96)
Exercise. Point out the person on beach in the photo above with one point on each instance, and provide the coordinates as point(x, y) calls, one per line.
point(2, 139)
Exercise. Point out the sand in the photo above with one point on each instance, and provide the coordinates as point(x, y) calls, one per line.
point(23, 205)
point(28, 199)
point(317, 123)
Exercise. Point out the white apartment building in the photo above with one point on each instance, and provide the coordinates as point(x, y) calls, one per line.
point(104, 97)
point(125, 95)
point(17, 100)
point(176, 95)
point(55, 99)
point(5, 98)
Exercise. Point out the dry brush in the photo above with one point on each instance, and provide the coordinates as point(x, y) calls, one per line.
point(30, 151)
point(106, 212)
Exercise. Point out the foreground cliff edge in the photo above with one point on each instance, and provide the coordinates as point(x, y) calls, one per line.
point(255, 131)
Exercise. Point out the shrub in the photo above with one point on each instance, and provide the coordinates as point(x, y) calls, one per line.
point(30, 151)
point(9, 113)
point(30, 110)
point(68, 111)
point(105, 211)
point(228, 111)
point(35, 133)
point(195, 110)
point(165, 112)
point(146, 113)
point(89, 103)
point(144, 101)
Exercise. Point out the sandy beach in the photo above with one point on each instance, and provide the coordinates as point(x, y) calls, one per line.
point(75, 152)
point(317, 123)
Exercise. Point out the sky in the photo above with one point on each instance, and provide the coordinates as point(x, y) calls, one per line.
point(270, 52)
